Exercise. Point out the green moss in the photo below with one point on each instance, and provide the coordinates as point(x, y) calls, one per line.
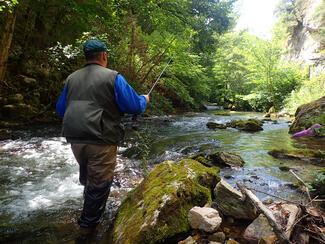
point(319, 119)
point(158, 207)
point(246, 125)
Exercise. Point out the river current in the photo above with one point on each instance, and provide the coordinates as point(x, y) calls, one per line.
point(40, 196)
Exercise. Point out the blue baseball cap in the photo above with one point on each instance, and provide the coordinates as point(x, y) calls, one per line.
point(94, 45)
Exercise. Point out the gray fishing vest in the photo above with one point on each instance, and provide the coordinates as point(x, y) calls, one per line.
point(92, 115)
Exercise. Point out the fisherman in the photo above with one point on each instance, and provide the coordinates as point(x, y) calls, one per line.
point(92, 103)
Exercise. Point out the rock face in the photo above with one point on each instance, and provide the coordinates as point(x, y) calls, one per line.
point(206, 219)
point(230, 203)
point(303, 45)
point(246, 125)
point(158, 208)
point(309, 114)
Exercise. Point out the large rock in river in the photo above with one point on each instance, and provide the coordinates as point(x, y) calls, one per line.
point(158, 208)
point(251, 125)
point(219, 159)
point(309, 114)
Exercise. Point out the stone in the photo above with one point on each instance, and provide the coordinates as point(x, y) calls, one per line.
point(157, 209)
point(308, 155)
point(219, 159)
point(16, 98)
point(250, 125)
point(206, 219)
point(308, 115)
point(213, 125)
point(230, 202)
point(27, 81)
point(188, 240)
point(258, 229)
point(217, 237)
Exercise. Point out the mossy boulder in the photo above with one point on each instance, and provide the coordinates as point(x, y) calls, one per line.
point(219, 159)
point(246, 125)
point(308, 155)
point(214, 125)
point(157, 209)
point(308, 115)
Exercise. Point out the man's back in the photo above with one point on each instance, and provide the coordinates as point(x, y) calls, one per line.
point(92, 115)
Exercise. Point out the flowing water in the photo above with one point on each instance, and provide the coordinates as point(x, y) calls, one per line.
point(40, 197)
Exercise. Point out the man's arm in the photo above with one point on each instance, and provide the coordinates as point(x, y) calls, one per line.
point(62, 102)
point(127, 99)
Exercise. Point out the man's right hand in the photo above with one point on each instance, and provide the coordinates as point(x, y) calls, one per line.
point(147, 98)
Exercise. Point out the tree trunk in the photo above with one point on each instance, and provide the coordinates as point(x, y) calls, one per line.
point(5, 41)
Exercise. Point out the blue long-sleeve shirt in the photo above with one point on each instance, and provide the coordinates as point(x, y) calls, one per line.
point(127, 99)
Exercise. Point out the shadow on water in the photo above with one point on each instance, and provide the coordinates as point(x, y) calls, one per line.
point(40, 197)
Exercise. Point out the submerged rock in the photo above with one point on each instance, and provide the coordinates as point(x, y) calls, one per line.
point(220, 159)
point(309, 155)
point(206, 219)
point(230, 202)
point(308, 115)
point(158, 208)
point(251, 125)
point(214, 125)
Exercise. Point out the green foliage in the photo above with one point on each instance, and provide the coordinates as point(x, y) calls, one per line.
point(309, 90)
point(141, 35)
point(249, 73)
point(7, 5)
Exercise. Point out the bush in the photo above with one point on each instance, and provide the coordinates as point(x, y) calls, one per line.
point(310, 90)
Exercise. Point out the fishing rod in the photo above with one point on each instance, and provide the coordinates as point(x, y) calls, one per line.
point(154, 84)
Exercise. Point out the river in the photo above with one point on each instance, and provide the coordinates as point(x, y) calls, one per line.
point(40, 196)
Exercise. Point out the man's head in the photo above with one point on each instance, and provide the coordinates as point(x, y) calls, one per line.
point(95, 52)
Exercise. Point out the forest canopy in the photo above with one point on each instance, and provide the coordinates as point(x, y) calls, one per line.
point(42, 40)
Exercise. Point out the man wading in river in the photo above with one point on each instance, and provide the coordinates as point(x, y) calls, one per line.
point(91, 104)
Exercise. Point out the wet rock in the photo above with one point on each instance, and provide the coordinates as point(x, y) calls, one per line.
point(284, 168)
point(21, 110)
point(250, 125)
point(206, 219)
point(230, 202)
point(217, 237)
point(308, 155)
point(213, 125)
point(158, 207)
point(259, 229)
point(188, 240)
point(5, 134)
point(220, 159)
point(308, 115)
